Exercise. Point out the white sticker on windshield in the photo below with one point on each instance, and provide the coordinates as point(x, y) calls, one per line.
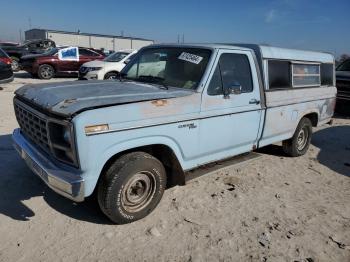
point(195, 59)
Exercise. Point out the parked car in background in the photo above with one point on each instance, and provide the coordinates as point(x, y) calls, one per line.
point(343, 86)
point(109, 68)
point(6, 74)
point(48, 65)
point(2, 44)
point(176, 107)
point(28, 47)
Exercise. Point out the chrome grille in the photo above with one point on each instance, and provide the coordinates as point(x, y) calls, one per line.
point(33, 126)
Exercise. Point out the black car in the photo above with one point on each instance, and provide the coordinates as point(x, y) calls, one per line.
point(29, 47)
point(343, 86)
point(6, 74)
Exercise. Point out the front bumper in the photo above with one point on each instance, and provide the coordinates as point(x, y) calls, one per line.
point(65, 183)
point(91, 75)
point(7, 80)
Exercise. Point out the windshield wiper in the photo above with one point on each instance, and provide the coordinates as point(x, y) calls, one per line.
point(153, 80)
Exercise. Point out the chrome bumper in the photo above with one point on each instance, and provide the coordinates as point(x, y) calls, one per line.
point(63, 182)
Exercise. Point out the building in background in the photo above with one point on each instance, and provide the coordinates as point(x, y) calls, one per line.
point(98, 41)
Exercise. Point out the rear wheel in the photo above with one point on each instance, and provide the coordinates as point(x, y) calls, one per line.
point(111, 75)
point(132, 187)
point(46, 72)
point(300, 142)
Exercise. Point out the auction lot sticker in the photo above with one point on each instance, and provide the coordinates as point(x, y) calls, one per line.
point(69, 54)
point(195, 59)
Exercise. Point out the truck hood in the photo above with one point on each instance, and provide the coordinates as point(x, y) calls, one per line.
point(69, 98)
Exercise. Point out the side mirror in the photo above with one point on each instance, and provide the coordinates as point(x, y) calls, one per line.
point(234, 89)
point(126, 61)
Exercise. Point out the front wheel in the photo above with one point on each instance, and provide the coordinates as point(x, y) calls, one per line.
point(131, 187)
point(300, 142)
point(111, 76)
point(46, 72)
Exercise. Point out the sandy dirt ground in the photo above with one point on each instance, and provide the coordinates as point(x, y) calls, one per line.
point(273, 208)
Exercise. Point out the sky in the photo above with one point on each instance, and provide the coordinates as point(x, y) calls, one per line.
point(320, 25)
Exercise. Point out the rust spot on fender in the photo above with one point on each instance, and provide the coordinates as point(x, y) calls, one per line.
point(160, 102)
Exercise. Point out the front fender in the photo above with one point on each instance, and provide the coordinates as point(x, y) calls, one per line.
point(119, 147)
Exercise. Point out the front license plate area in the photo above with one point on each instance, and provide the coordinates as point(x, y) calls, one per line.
point(33, 165)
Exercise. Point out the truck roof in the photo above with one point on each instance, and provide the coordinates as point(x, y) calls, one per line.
point(268, 52)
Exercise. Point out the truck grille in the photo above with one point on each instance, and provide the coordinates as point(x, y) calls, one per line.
point(33, 126)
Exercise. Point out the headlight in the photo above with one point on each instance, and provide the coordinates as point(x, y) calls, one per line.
point(93, 69)
point(62, 142)
point(67, 135)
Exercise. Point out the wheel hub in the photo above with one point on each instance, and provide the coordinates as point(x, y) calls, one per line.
point(302, 139)
point(138, 191)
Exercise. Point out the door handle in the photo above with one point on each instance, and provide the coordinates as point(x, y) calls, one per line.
point(254, 101)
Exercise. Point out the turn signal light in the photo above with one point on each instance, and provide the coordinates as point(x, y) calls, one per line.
point(96, 129)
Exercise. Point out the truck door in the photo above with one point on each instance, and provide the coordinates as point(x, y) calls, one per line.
point(231, 108)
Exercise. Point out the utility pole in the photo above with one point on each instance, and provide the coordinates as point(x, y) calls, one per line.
point(20, 35)
point(122, 33)
point(183, 38)
point(178, 38)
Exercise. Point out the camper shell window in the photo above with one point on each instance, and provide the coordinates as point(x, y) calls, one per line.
point(304, 75)
point(285, 74)
point(327, 74)
point(279, 74)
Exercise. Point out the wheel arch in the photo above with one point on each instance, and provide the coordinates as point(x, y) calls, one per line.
point(164, 154)
point(167, 152)
point(112, 71)
point(313, 116)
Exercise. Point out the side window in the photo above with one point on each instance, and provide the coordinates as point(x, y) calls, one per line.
point(279, 74)
point(86, 52)
point(327, 72)
point(235, 70)
point(232, 70)
point(215, 85)
point(306, 75)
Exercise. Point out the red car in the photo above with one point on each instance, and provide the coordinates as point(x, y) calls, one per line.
point(47, 65)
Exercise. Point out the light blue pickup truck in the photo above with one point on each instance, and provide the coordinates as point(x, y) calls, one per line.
point(173, 109)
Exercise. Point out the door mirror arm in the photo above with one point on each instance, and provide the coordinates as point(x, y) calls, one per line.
point(232, 90)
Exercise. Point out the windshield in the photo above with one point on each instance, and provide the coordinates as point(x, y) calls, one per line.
point(345, 66)
point(52, 51)
point(2, 53)
point(170, 66)
point(116, 57)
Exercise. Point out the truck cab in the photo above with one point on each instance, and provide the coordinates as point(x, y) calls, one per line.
point(173, 109)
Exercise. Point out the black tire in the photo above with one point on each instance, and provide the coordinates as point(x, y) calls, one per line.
point(46, 71)
point(111, 76)
point(131, 188)
point(15, 64)
point(300, 142)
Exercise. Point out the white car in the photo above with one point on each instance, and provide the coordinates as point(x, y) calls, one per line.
point(108, 68)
